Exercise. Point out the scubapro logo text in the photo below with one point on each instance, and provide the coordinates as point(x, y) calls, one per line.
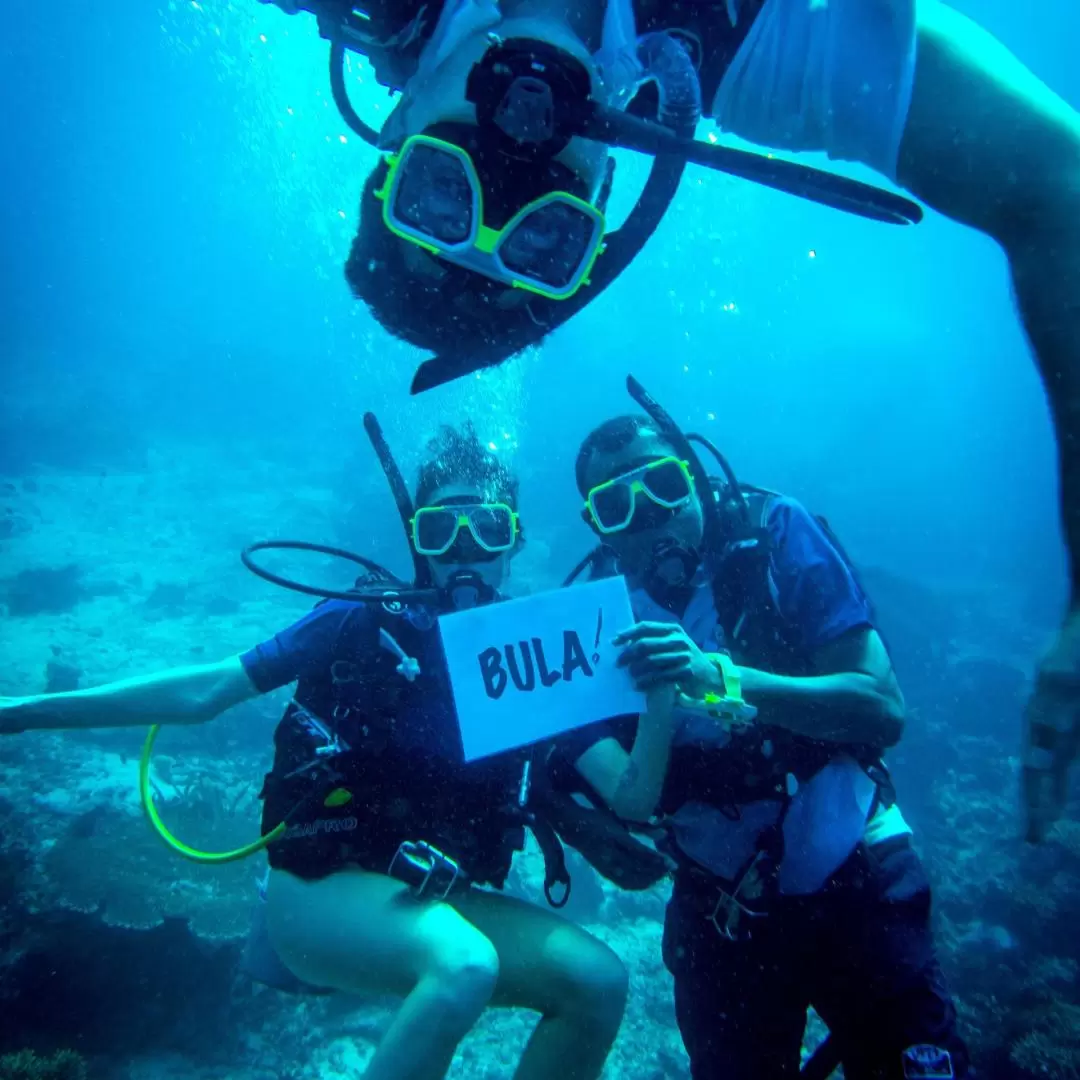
point(320, 825)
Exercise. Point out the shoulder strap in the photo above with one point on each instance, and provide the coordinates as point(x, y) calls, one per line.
point(740, 576)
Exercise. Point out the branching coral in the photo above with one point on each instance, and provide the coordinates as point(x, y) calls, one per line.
point(1051, 1048)
point(26, 1065)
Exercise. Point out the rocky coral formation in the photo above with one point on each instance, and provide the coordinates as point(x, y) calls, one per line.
point(138, 952)
point(26, 1065)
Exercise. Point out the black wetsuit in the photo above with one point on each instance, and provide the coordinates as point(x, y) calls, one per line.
point(399, 774)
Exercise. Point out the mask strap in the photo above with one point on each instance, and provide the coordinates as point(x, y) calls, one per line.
point(458, 19)
point(620, 69)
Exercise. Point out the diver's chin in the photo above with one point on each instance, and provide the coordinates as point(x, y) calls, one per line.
point(672, 566)
point(551, 31)
point(673, 572)
point(465, 589)
point(438, 95)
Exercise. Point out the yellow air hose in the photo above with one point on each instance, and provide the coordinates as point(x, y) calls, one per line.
point(146, 794)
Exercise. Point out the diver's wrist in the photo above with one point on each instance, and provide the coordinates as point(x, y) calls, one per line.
point(729, 703)
point(727, 679)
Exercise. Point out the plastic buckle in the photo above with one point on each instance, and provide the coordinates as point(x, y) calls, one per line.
point(429, 873)
point(731, 927)
point(925, 1062)
point(331, 749)
point(728, 913)
point(342, 671)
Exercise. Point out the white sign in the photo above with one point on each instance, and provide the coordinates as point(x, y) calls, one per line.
point(529, 669)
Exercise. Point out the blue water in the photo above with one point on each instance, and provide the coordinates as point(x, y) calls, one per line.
point(177, 198)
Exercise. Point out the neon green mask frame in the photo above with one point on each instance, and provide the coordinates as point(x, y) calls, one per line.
point(464, 519)
point(634, 480)
point(481, 250)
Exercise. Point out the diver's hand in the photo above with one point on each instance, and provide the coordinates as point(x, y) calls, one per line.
point(661, 654)
point(10, 722)
point(1052, 732)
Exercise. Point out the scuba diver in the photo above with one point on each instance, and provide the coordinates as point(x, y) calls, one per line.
point(797, 884)
point(483, 229)
point(376, 829)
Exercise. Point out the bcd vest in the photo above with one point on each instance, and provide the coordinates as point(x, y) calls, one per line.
point(365, 760)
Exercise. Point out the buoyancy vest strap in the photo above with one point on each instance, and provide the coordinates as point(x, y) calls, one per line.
point(408, 666)
point(555, 871)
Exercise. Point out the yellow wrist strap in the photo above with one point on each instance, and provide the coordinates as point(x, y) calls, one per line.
point(732, 678)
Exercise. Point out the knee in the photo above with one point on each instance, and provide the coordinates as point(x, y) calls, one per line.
point(465, 970)
point(593, 982)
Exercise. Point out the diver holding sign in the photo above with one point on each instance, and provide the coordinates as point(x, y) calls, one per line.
point(376, 827)
point(796, 881)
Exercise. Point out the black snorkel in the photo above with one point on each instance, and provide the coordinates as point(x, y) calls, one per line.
point(402, 499)
point(507, 80)
point(392, 35)
point(621, 129)
point(673, 434)
point(378, 585)
point(727, 527)
point(519, 107)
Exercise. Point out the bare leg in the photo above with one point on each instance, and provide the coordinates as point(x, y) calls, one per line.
point(355, 931)
point(576, 983)
point(991, 146)
point(358, 932)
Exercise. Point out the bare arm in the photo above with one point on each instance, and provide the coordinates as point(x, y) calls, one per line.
point(854, 699)
point(631, 783)
point(186, 695)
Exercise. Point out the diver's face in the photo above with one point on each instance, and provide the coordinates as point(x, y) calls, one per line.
point(465, 556)
point(438, 96)
point(651, 525)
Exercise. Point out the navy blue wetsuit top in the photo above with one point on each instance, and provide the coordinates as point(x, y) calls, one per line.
point(308, 647)
point(347, 631)
point(812, 587)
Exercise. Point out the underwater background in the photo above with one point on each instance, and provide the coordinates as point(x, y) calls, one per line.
point(183, 371)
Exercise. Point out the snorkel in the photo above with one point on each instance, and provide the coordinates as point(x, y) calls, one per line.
point(727, 527)
point(664, 62)
point(394, 42)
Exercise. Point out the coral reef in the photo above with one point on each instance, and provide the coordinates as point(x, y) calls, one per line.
point(61, 675)
point(166, 596)
point(26, 1065)
point(44, 590)
point(112, 944)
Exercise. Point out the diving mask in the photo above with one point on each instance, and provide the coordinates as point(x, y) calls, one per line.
point(435, 529)
point(433, 198)
point(666, 483)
